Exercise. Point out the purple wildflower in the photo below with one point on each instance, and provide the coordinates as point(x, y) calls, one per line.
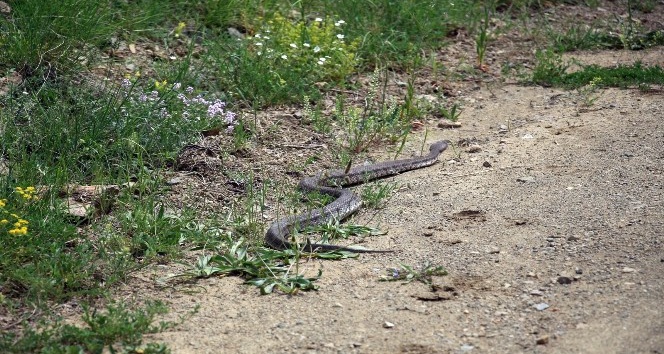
point(216, 108)
point(230, 118)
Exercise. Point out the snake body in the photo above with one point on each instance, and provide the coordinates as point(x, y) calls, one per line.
point(346, 201)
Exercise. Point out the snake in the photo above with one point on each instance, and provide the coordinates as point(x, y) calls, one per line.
point(346, 202)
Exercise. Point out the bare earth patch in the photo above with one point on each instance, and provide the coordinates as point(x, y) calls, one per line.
point(551, 234)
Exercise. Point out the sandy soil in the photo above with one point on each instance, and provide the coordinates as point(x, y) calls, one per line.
point(551, 234)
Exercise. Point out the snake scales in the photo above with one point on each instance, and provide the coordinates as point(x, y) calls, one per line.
point(346, 201)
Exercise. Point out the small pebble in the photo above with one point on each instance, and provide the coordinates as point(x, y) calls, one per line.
point(541, 306)
point(526, 179)
point(564, 279)
point(486, 164)
point(628, 270)
point(578, 271)
point(174, 181)
point(388, 325)
point(542, 340)
point(446, 124)
point(474, 149)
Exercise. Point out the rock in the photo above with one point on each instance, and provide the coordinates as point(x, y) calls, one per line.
point(536, 293)
point(541, 306)
point(388, 325)
point(564, 279)
point(466, 348)
point(446, 124)
point(526, 179)
point(578, 271)
point(473, 149)
point(486, 164)
point(527, 136)
point(542, 340)
point(427, 233)
point(4, 8)
point(494, 250)
point(573, 238)
point(628, 270)
point(174, 181)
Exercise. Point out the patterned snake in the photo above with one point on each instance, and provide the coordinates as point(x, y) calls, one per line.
point(346, 201)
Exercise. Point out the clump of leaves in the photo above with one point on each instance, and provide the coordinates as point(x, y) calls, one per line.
point(117, 328)
point(380, 118)
point(408, 273)
point(262, 267)
point(550, 67)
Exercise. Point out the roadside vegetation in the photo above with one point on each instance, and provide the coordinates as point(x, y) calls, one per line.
point(107, 96)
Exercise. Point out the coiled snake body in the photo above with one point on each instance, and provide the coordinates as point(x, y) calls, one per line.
point(346, 201)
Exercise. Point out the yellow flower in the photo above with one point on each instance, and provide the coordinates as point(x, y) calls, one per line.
point(19, 231)
point(20, 223)
point(3, 203)
point(180, 27)
point(26, 193)
point(160, 85)
point(4, 221)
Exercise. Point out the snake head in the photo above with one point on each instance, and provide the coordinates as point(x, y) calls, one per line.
point(438, 147)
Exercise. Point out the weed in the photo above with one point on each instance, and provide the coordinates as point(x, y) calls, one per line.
point(482, 39)
point(549, 67)
point(588, 93)
point(408, 273)
point(287, 284)
point(117, 328)
point(374, 194)
point(320, 123)
point(451, 113)
point(333, 230)
point(262, 267)
point(378, 119)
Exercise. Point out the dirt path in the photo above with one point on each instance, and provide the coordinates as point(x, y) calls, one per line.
point(558, 242)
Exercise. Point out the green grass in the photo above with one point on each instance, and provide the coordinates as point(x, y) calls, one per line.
point(116, 328)
point(551, 70)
